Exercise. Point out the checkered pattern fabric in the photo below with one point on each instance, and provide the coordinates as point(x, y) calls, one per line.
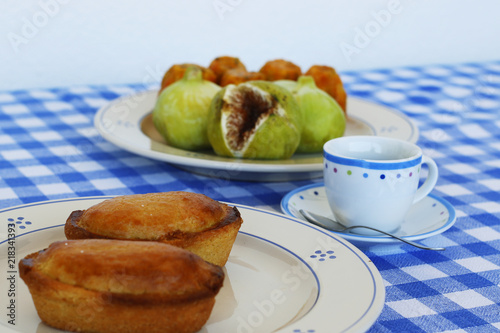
point(49, 149)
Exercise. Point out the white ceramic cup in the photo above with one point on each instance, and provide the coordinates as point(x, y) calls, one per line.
point(373, 181)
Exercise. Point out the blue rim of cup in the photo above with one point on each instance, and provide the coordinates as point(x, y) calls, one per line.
point(374, 165)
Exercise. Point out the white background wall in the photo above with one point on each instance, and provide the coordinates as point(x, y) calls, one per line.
point(54, 43)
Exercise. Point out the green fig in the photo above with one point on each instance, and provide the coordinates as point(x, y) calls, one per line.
point(181, 111)
point(254, 120)
point(290, 85)
point(323, 118)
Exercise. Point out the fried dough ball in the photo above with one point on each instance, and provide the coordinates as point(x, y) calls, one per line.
point(327, 79)
point(176, 72)
point(236, 76)
point(280, 70)
point(222, 64)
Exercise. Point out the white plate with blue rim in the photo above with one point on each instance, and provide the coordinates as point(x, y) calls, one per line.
point(429, 217)
point(273, 283)
point(127, 123)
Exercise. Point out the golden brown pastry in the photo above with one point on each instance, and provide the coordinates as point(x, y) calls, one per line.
point(220, 65)
point(188, 220)
point(280, 70)
point(176, 72)
point(237, 76)
point(98, 285)
point(327, 79)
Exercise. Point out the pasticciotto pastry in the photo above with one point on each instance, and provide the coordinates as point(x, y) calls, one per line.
point(188, 220)
point(107, 286)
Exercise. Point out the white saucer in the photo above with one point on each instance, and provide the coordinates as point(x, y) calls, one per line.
point(429, 217)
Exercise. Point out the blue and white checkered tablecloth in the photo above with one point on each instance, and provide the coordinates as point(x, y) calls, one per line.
point(49, 149)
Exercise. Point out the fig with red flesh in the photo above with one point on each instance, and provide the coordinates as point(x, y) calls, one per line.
point(254, 120)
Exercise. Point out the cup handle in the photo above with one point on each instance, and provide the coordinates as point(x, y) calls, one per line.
point(431, 180)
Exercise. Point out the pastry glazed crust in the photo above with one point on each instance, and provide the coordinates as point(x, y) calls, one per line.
point(121, 286)
point(191, 221)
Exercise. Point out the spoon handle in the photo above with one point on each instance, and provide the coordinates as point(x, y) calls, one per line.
point(420, 246)
point(337, 227)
